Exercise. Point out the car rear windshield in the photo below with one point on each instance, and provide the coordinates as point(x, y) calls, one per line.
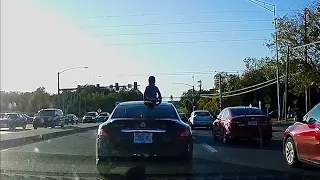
point(246, 111)
point(13, 116)
point(47, 113)
point(91, 114)
point(104, 114)
point(141, 111)
point(202, 113)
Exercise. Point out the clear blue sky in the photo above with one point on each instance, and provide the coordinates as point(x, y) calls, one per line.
point(137, 58)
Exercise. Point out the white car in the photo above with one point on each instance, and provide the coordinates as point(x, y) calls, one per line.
point(200, 118)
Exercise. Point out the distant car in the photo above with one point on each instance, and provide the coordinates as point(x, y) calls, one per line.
point(90, 117)
point(200, 118)
point(13, 120)
point(301, 141)
point(242, 122)
point(183, 117)
point(136, 131)
point(103, 117)
point(48, 118)
point(71, 119)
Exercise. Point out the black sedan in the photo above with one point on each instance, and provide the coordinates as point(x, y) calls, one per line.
point(90, 117)
point(136, 132)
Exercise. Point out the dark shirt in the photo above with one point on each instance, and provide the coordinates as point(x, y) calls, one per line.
point(151, 92)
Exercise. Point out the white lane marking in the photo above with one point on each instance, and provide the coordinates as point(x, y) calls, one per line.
point(210, 148)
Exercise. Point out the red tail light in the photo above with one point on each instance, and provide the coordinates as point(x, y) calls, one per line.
point(184, 134)
point(103, 134)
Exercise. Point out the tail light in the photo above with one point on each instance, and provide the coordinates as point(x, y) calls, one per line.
point(184, 135)
point(103, 134)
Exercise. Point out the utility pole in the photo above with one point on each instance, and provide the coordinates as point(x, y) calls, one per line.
point(200, 85)
point(79, 101)
point(306, 57)
point(193, 94)
point(220, 93)
point(58, 97)
point(286, 85)
point(277, 58)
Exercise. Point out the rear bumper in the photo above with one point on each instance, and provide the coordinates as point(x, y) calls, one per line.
point(105, 151)
point(202, 124)
point(264, 133)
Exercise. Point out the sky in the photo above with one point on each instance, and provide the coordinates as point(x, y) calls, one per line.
point(125, 41)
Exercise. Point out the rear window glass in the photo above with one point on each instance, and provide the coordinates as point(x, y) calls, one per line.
point(91, 114)
point(141, 111)
point(14, 116)
point(202, 113)
point(246, 111)
point(104, 114)
point(47, 113)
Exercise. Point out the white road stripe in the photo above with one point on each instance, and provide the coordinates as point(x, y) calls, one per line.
point(210, 148)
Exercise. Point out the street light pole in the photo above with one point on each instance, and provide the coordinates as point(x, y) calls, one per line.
point(60, 72)
point(257, 2)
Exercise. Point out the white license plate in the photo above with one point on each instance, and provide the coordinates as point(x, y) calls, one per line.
point(252, 123)
point(142, 138)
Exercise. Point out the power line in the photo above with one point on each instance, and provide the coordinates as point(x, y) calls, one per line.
point(184, 32)
point(179, 73)
point(179, 23)
point(169, 14)
point(231, 95)
point(186, 42)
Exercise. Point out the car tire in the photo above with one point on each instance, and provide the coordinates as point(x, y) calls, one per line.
point(62, 124)
point(72, 123)
point(290, 153)
point(214, 134)
point(225, 138)
point(24, 127)
point(35, 126)
point(53, 125)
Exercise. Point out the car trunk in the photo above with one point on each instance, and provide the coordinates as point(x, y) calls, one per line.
point(142, 135)
point(251, 125)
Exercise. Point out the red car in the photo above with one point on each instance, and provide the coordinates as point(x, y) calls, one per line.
point(242, 122)
point(301, 142)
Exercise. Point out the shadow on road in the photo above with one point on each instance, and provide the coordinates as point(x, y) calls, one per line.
point(18, 129)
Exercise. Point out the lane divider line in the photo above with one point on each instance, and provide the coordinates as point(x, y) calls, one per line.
point(210, 148)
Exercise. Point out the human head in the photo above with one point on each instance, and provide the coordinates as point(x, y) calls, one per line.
point(152, 80)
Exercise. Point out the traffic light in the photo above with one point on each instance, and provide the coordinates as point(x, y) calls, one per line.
point(135, 85)
point(117, 86)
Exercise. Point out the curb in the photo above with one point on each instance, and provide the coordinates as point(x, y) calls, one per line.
point(41, 137)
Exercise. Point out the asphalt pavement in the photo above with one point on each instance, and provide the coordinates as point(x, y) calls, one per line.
point(74, 156)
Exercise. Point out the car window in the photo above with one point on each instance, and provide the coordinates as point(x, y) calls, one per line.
point(91, 114)
point(202, 114)
point(47, 112)
point(142, 111)
point(13, 116)
point(315, 113)
point(104, 114)
point(246, 111)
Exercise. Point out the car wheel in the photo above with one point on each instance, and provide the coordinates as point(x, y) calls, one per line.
point(213, 131)
point(62, 124)
point(53, 125)
point(225, 138)
point(35, 126)
point(291, 153)
point(24, 127)
point(77, 122)
point(72, 123)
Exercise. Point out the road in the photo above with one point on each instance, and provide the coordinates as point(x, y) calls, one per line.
point(73, 156)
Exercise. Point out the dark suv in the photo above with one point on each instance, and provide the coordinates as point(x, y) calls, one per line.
point(48, 118)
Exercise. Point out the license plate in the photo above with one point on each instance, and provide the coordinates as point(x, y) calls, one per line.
point(252, 123)
point(142, 138)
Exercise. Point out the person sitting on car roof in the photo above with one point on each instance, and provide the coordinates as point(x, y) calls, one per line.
point(152, 92)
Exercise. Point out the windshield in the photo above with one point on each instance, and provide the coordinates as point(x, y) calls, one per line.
point(142, 111)
point(47, 113)
point(13, 116)
point(91, 114)
point(246, 111)
point(104, 114)
point(202, 114)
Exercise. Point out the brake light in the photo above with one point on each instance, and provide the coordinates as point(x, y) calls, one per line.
point(184, 134)
point(103, 134)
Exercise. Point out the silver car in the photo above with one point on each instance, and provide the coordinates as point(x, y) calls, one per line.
point(200, 118)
